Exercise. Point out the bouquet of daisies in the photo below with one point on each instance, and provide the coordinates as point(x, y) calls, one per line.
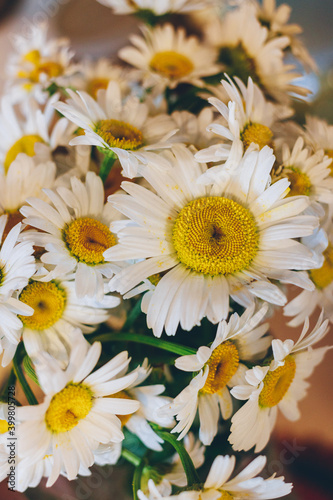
point(154, 214)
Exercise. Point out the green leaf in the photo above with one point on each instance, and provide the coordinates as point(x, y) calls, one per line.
point(24, 384)
point(29, 369)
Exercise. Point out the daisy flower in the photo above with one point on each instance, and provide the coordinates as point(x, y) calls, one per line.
point(167, 57)
point(219, 367)
point(246, 50)
point(75, 233)
point(76, 414)
point(57, 310)
point(30, 130)
point(249, 118)
point(122, 128)
point(210, 243)
point(158, 8)
point(319, 135)
point(17, 265)
point(281, 385)
point(38, 63)
point(218, 484)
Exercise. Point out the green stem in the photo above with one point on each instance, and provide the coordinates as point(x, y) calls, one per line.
point(135, 312)
point(137, 479)
point(131, 457)
point(22, 380)
point(143, 339)
point(190, 471)
point(106, 166)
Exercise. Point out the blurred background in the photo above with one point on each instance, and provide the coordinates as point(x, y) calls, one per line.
point(303, 450)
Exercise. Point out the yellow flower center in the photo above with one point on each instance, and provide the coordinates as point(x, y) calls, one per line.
point(25, 144)
point(122, 394)
point(329, 152)
point(95, 84)
point(324, 276)
point(277, 383)
point(215, 235)
point(257, 133)
point(87, 239)
point(48, 301)
point(300, 183)
point(68, 407)
point(171, 64)
point(118, 134)
point(225, 495)
point(40, 66)
point(3, 426)
point(223, 364)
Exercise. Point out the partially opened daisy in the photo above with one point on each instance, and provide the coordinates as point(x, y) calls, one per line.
point(210, 243)
point(249, 118)
point(75, 233)
point(76, 414)
point(219, 486)
point(281, 385)
point(17, 265)
point(120, 127)
point(246, 50)
point(167, 57)
point(220, 367)
point(57, 310)
point(158, 8)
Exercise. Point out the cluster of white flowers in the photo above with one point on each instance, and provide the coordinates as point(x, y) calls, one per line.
point(226, 202)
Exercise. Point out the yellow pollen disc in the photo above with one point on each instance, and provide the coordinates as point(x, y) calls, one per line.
point(257, 133)
point(24, 145)
point(225, 495)
point(122, 394)
point(155, 279)
point(48, 301)
point(300, 183)
point(118, 134)
point(171, 64)
point(277, 383)
point(40, 66)
point(3, 426)
point(223, 364)
point(87, 239)
point(95, 85)
point(215, 235)
point(68, 407)
point(324, 276)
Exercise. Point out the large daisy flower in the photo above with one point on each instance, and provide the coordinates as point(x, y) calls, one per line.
point(249, 118)
point(57, 310)
point(17, 265)
point(281, 385)
point(167, 57)
point(158, 8)
point(38, 63)
point(219, 367)
point(74, 232)
point(218, 484)
point(121, 127)
point(246, 50)
point(210, 243)
point(76, 414)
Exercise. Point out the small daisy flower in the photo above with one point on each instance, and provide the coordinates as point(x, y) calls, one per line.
point(210, 243)
point(120, 127)
point(309, 174)
point(75, 233)
point(38, 63)
point(76, 414)
point(246, 50)
point(167, 57)
point(218, 484)
point(158, 8)
point(281, 385)
point(57, 310)
point(241, 339)
point(17, 265)
point(249, 118)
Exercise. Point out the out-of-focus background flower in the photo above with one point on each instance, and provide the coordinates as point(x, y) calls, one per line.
point(304, 449)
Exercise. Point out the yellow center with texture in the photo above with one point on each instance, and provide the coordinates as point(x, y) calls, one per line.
point(118, 134)
point(257, 133)
point(300, 184)
point(215, 235)
point(171, 64)
point(48, 301)
point(87, 239)
point(277, 383)
point(25, 144)
point(324, 276)
point(68, 407)
point(223, 364)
